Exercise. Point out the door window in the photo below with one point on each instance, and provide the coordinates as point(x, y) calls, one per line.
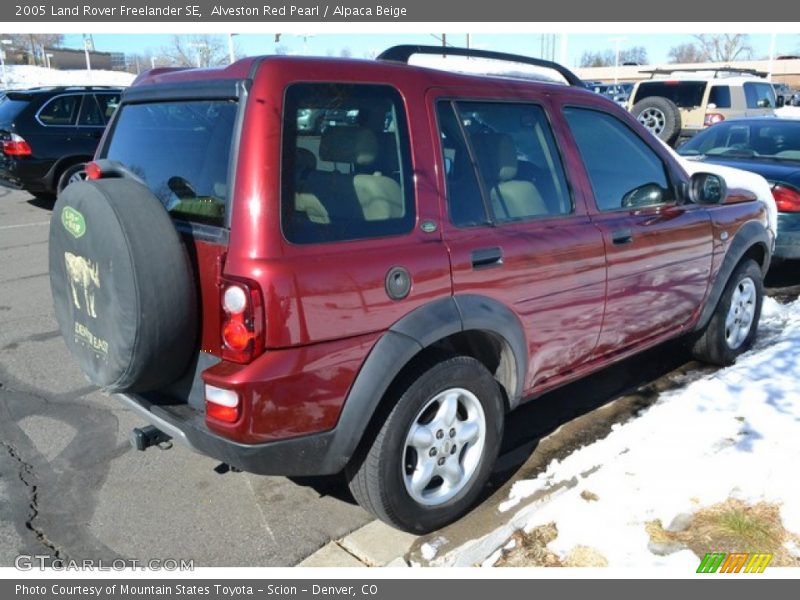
point(108, 104)
point(519, 169)
point(759, 95)
point(90, 113)
point(624, 171)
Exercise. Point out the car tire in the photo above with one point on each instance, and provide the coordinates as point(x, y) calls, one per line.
point(734, 324)
point(71, 174)
point(122, 285)
point(660, 116)
point(434, 451)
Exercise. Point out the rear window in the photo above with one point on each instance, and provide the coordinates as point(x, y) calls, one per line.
point(346, 166)
point(9, 109)
point(686, 94)
point(181, 151)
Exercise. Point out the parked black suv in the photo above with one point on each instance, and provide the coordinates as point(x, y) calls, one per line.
point(48, 133)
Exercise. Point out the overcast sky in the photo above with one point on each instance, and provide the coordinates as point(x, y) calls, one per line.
point(361, 45)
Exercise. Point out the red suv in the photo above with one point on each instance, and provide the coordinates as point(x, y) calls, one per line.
point(373, 295)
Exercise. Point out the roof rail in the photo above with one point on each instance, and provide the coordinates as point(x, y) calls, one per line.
point(403, 52)
point(715, 70)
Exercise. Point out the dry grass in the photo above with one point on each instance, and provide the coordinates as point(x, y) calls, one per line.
point(732, 526)
point(530, 549)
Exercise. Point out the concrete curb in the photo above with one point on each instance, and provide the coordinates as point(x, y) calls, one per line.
point(373, 545)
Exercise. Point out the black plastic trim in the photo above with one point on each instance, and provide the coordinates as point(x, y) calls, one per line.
point(484, 314)
point(403, 53)
point(749, 235)
point(329, 452)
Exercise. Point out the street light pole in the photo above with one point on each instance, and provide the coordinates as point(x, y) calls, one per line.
point(86, 53)
point(617, 41)
point(231, 53)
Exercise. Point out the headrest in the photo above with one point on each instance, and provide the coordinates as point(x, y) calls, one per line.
point(304, 160)
point(496, 154)
point(354, 145)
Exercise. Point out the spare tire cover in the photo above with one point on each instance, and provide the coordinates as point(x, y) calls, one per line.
point(122, 285)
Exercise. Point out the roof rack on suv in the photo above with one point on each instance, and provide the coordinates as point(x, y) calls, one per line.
point(717, 71)
point(403, 52)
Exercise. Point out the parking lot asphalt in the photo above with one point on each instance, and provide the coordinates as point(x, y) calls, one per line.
point(71, 486)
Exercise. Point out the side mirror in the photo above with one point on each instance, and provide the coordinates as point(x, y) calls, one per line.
point(648, 194)
point(707, 188)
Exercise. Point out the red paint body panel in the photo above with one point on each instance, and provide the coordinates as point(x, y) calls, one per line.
point(291, 392)
point(583, 301)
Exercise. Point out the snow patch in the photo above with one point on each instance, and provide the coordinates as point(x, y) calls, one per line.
point(27, 76)
point(731, 433)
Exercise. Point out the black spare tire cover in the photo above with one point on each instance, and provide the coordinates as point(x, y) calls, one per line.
point(122, 285)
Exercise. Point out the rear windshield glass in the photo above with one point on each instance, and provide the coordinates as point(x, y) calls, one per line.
point(9, 109)
point(181, 151)
point(685, 94)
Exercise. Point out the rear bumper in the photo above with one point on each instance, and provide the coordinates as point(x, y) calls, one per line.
point(787, 245)
point(305, 455)
point(27, 174)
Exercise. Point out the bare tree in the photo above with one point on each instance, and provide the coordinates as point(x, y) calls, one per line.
point(197, 51)
point(637, 54)
point(606, 58)
point(724, 47)
point(597, 59)
point(685, 53)
point(345, 52)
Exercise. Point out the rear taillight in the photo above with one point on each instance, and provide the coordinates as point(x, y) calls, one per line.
point(712, 119)
point(93, 171)
point(222, 404)
point(242, 320)
point(16, 146)
point(787, 198)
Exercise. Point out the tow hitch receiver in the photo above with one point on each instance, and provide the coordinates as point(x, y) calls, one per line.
point(144, 437)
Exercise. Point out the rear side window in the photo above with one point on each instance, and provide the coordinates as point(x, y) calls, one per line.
point(10, 108)
point(624, 171)
point(181, 151)
point(346, 164)
point(720, 96)
point(61, 110)
point(759, 95)
point(685, 94)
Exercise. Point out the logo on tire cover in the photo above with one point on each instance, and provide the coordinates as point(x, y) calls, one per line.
point(84, 277)
point(73, 221)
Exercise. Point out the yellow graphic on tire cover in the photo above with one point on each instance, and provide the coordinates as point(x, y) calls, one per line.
point(83, 275)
